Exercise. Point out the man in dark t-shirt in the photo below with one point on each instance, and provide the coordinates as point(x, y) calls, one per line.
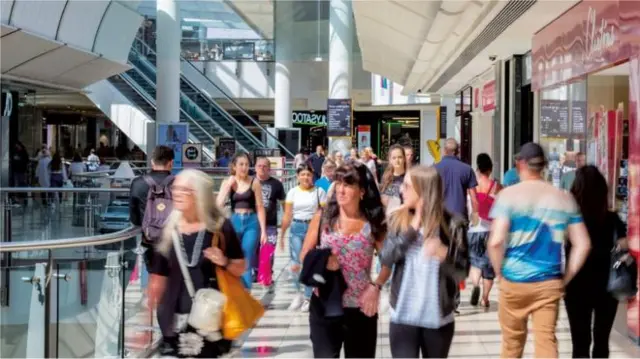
point(272, 193)
point(458, 180)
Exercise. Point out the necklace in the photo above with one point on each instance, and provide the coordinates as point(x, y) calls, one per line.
point(197, 249)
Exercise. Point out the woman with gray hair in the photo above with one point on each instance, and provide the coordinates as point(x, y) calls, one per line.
point(196, 221)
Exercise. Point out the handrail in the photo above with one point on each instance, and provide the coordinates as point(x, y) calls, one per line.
point(151, 102)
point(225, 114)
point(235, 104)
point(62, 190)
point(114, 237)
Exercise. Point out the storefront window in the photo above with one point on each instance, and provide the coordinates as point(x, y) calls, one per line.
point(563, 127)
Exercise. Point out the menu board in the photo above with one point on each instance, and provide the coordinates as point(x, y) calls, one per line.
point(578, 118)
point(554, 118)
point(339, 117)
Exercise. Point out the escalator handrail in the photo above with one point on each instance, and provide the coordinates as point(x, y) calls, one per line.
point(186, 114)
point(225, 114)
point(76, 242)
point(235, 104)
point(151, 102)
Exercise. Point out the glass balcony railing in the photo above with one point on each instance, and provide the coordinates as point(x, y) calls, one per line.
point(83, 296)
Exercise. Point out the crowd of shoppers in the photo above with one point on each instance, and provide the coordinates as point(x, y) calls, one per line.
point(431, 227)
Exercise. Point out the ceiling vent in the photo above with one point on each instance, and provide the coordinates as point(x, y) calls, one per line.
point(507, 16)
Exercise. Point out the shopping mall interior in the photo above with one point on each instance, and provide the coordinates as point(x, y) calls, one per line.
point(97, 85)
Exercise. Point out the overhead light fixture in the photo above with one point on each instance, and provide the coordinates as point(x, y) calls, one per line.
point(318, 59)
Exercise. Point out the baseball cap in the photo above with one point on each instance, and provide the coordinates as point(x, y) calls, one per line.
point(532, 153)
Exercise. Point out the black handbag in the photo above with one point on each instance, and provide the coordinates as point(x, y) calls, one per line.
point(623, 274)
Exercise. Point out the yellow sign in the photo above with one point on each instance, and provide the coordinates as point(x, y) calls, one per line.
point(434, 150)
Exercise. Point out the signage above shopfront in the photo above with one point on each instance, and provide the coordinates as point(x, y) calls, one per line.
point(489, 96)
point(591, 36)
point(309, 119)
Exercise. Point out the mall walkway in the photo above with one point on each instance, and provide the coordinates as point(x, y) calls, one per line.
point(284, 334)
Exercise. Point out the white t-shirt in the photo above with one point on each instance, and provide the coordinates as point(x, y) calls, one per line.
point(305, 202)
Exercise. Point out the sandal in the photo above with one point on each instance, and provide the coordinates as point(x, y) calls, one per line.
point(484, 303)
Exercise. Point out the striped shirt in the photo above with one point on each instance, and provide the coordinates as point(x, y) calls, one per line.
point(419, 297)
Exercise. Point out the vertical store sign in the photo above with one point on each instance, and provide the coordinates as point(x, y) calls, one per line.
point(633, 175)
point(489, 96)
point(339, 117)
point(173, 135)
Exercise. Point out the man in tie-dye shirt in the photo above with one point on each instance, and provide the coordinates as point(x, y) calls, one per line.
point(530, 222)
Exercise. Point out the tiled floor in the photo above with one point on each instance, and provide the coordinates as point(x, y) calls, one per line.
point(281, 333)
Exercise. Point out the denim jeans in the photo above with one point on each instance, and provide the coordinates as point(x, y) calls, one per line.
point(247, 228)
point(297, 232)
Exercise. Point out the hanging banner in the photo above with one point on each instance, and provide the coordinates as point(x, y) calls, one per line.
point(173, 135)
point(339, 117)
point(364, 137)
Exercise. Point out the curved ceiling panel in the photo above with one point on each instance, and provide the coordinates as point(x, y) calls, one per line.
point(116, 32)
point(80, 20)
point(91, 72)
point(34, 58)
point(415, 29)
point(19, 47)
point(54, 64)
point(38, 16)
point(5, 10)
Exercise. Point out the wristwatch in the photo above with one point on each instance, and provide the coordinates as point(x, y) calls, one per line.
point(378, 286)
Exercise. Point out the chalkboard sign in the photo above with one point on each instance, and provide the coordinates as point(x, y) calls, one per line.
point(443, 121)
point(578, 121)
point(339, 118)
point(554, 118)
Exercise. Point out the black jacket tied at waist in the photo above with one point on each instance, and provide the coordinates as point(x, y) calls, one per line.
point(331, 284)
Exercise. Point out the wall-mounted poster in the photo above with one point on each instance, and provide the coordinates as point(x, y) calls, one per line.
point(364, 136)
point(173, 135)
point(225, 144)
point(339, 117)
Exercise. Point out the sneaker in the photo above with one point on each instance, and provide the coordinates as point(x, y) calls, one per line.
point(305, 306)
point(296, 303)
point(475, 296)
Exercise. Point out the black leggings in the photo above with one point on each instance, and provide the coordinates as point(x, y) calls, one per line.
point(408, 341)
point(582, 305)
point(355, 330)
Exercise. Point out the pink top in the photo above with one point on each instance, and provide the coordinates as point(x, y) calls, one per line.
point(355, 255)
point(485, 202)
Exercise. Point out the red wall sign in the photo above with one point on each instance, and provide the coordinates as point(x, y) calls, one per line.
point(591, 36)
point(633, 185)
point(489, 96)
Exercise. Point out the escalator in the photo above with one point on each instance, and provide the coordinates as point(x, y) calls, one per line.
point(141, 91)
point(200, 107)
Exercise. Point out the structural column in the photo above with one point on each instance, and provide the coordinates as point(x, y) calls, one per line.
point(284, 38)
point(340, 50)
point(168, 33)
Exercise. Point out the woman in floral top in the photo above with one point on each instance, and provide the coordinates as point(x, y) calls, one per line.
point(353, 226)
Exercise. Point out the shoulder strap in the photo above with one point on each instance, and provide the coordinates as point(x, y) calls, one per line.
point(493, 184)
point(177, 244)
point(149, 180)
point(218, 239)
point(167, 180)
point(318, 195)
